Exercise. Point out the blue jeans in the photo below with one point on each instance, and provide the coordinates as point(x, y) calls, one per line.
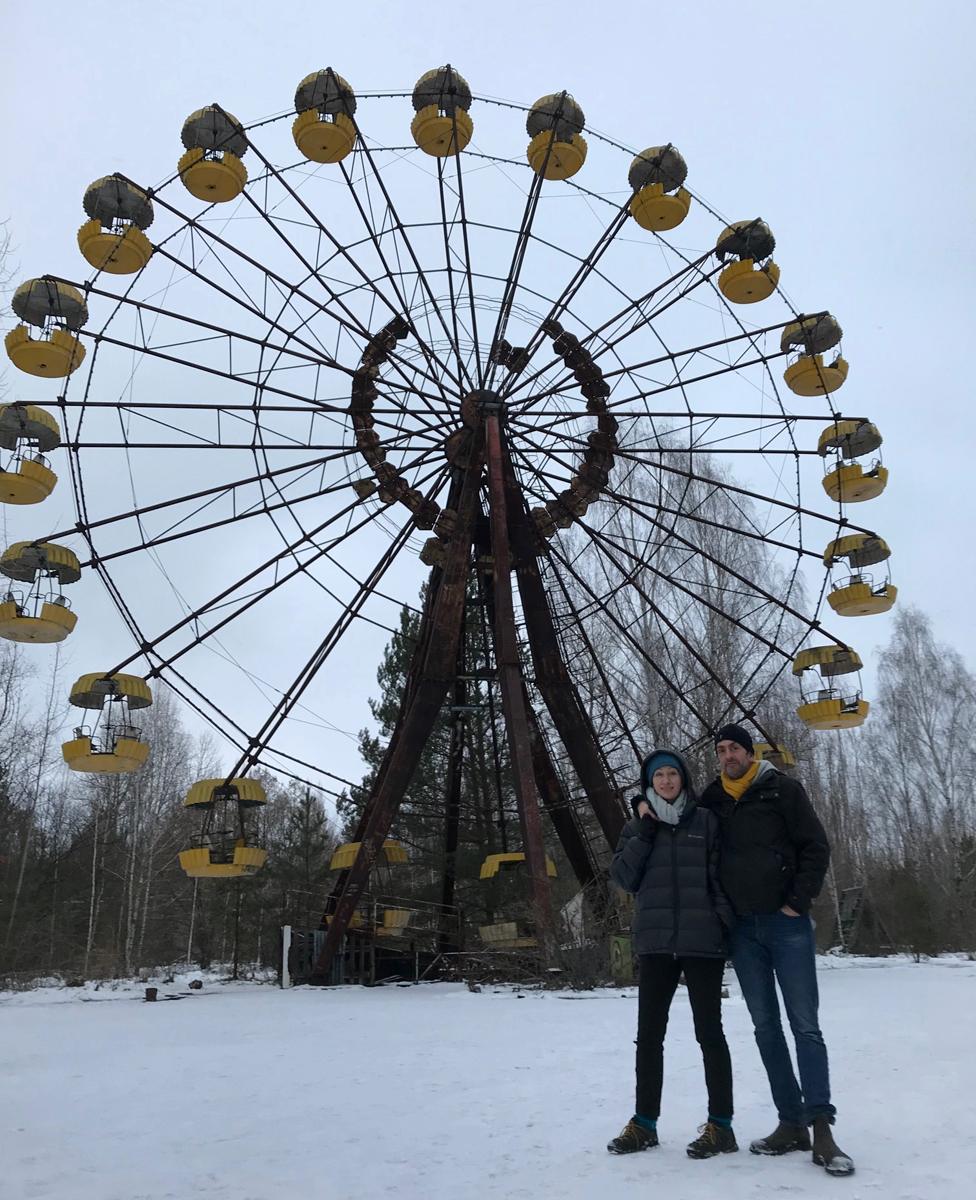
point(776, 948)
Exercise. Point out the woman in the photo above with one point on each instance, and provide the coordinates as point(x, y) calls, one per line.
point(667, 858)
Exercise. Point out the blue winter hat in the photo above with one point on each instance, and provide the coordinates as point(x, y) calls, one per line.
point(661, 758)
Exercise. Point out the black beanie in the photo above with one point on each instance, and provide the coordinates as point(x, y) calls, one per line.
point(734, 733)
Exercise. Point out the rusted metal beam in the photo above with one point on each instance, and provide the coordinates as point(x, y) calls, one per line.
point(434, 667)
point(447, 937)
point(512, 689)
point(553, 679)
point(566, 822)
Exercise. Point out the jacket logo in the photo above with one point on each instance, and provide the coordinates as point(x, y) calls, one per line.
point(696, 837)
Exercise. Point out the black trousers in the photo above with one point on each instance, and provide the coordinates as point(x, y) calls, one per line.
point(659, 974)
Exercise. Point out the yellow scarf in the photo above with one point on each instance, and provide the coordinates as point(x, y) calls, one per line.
point(737, 788)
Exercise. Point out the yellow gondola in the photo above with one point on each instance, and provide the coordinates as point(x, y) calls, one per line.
point(224, 849)
point(42, 614)
point(112, 745)
point(753, 275)
point(828, 706)
point(778, 755)
point(28, 432)
point(808, 374)
point(848, 481)
point(509, 934)
point(555, 124)
point(858, 594)
point(656, 176)
point(58, 310)
point(441, 126)
point(211, 169)
point(112, 239)
point(323, 130)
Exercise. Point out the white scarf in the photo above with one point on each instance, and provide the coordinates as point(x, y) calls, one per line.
point(667, 811)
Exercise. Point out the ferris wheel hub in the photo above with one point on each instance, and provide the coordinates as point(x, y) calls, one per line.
point(481, 403)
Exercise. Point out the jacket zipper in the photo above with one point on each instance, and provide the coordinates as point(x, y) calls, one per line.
point(674, 891)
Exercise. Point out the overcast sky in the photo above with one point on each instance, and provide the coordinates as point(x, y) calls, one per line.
point(849, 127)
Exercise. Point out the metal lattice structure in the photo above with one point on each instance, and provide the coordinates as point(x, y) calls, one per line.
point(360, 349)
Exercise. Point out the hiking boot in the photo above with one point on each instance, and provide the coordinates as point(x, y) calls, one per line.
point(826, 1152)
point(712, 1139)
point(782, 1140)
point(631, 1138)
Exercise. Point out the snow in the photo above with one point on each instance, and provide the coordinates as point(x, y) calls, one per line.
point(245, 1091)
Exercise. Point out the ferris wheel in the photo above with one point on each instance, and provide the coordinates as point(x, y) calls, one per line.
point(385, 338)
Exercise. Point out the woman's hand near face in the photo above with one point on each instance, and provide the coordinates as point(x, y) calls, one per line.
point(643, 809)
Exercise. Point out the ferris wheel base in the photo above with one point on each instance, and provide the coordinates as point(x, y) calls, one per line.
point(833, 714)
point(128, 754)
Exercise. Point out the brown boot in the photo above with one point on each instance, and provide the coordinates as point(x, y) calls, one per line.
point(782, 1140)
point(631, 1138)
point(826, 1152)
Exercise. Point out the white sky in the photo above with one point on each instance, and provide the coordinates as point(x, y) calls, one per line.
point(848, 127)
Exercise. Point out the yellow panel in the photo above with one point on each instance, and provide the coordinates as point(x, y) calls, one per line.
point(395, 922)
point(116, 253)
point(128, 755)
point(211, 179)
point(50, 358)
point(832, 660)
point(28, 421)
point(778, 757)
point(861, 600)
point(833, 714)
point(345, 855)
point(851, 438)
point(809, 376)
point(249, 792)
point(494, 862)
point(744, 283)
point(505, 936)
point(860, 550)
point(30, 484)
point(53, 625)
point(85, 693)
point(851, 484)
point(656, 211)
point(434, 133)
point(564, 160)
point(323, 141)
point(23, 560)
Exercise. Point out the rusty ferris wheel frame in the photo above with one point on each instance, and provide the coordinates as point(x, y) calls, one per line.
point(472, 435)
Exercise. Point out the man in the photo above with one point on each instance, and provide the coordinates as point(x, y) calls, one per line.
point(774, 858)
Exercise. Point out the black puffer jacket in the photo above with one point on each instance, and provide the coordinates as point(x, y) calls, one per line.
point(774, 848)
point(672, 870)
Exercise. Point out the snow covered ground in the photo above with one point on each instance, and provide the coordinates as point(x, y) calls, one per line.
point(247, 1092)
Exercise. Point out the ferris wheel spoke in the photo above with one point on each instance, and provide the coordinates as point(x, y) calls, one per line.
point(447, 230)
point(609, 346)
point(466, 245)
point(519, 251)
point(672, 533)
point(265, 509)
point(273, 564)
point(631, 640)
point(339, 311)
point(435, 367)
point(298, 687)
point(364, 151)
point(659, 465)
point(570, 611)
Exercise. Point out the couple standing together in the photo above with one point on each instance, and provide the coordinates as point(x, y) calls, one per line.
point(729, 874)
